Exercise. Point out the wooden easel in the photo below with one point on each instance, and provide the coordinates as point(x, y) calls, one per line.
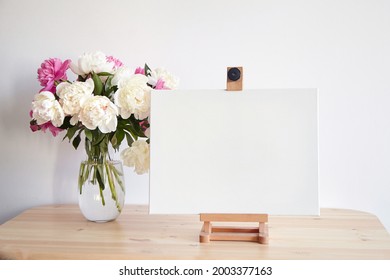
point(231, 233)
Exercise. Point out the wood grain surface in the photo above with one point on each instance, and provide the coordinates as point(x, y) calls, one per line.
point(61, 232)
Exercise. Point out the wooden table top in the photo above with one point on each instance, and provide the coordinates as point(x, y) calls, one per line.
point(61, 232)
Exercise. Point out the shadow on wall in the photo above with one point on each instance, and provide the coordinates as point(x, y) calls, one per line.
point(20, 161)
point(36, 168)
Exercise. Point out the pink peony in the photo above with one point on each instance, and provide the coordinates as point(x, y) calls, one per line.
point(160, 84)
point(144, 124)
point(140, 70)
point(52, 70)
point(117, 62)
point(35, 127)
point(53, 129)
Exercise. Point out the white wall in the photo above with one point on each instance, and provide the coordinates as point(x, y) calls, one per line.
point(341, 47)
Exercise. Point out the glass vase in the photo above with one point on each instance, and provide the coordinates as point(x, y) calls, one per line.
point(101, 189)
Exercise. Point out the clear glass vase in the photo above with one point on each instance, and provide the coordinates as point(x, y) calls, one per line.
point(101, 189)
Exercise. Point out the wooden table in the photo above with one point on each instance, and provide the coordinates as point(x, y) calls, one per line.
point(61, 232)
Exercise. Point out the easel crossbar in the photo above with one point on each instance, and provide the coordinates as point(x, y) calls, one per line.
point(235, 229)
point(234, 217)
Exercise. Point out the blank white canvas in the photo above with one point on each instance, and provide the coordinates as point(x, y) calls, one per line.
point(253, 151)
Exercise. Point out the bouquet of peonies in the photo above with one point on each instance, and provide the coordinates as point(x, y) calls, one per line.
point(107, 103)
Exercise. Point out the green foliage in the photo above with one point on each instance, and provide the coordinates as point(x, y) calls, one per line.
point(117, 139)
point(70, 132)
point(147, 70)
point(66, 123)
point(76, 141)
point(98, 84)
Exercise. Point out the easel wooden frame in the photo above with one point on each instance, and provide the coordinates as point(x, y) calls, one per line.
point(210, 232)
point(230, 233)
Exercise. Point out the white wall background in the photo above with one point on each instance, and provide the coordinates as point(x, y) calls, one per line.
point(341, 47)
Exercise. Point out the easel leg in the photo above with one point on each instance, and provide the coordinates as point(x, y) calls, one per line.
point(204, 236)
point(263, 233)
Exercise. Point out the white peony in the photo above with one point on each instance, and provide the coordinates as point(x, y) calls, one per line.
point(73, 95)
point(122, 73)
point(99, 111)
point(46, 108)
point(137, 156)
point(170, 81)
point(133, 97)
point(92, 62)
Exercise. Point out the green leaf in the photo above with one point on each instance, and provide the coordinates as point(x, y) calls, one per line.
point(148, 71)
point(76, 141)
point(70, 132)
point(103, 145)
point(133, 125)
point(120, 135)
point(66, 124)
point(88, 134)
point(117, 139)
point(129, 139)
point(114, 140)
point(98, 84)
point(104, 74)
point(98, 138)
point(109, 90)
point(131, 130)
point(138, 131)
